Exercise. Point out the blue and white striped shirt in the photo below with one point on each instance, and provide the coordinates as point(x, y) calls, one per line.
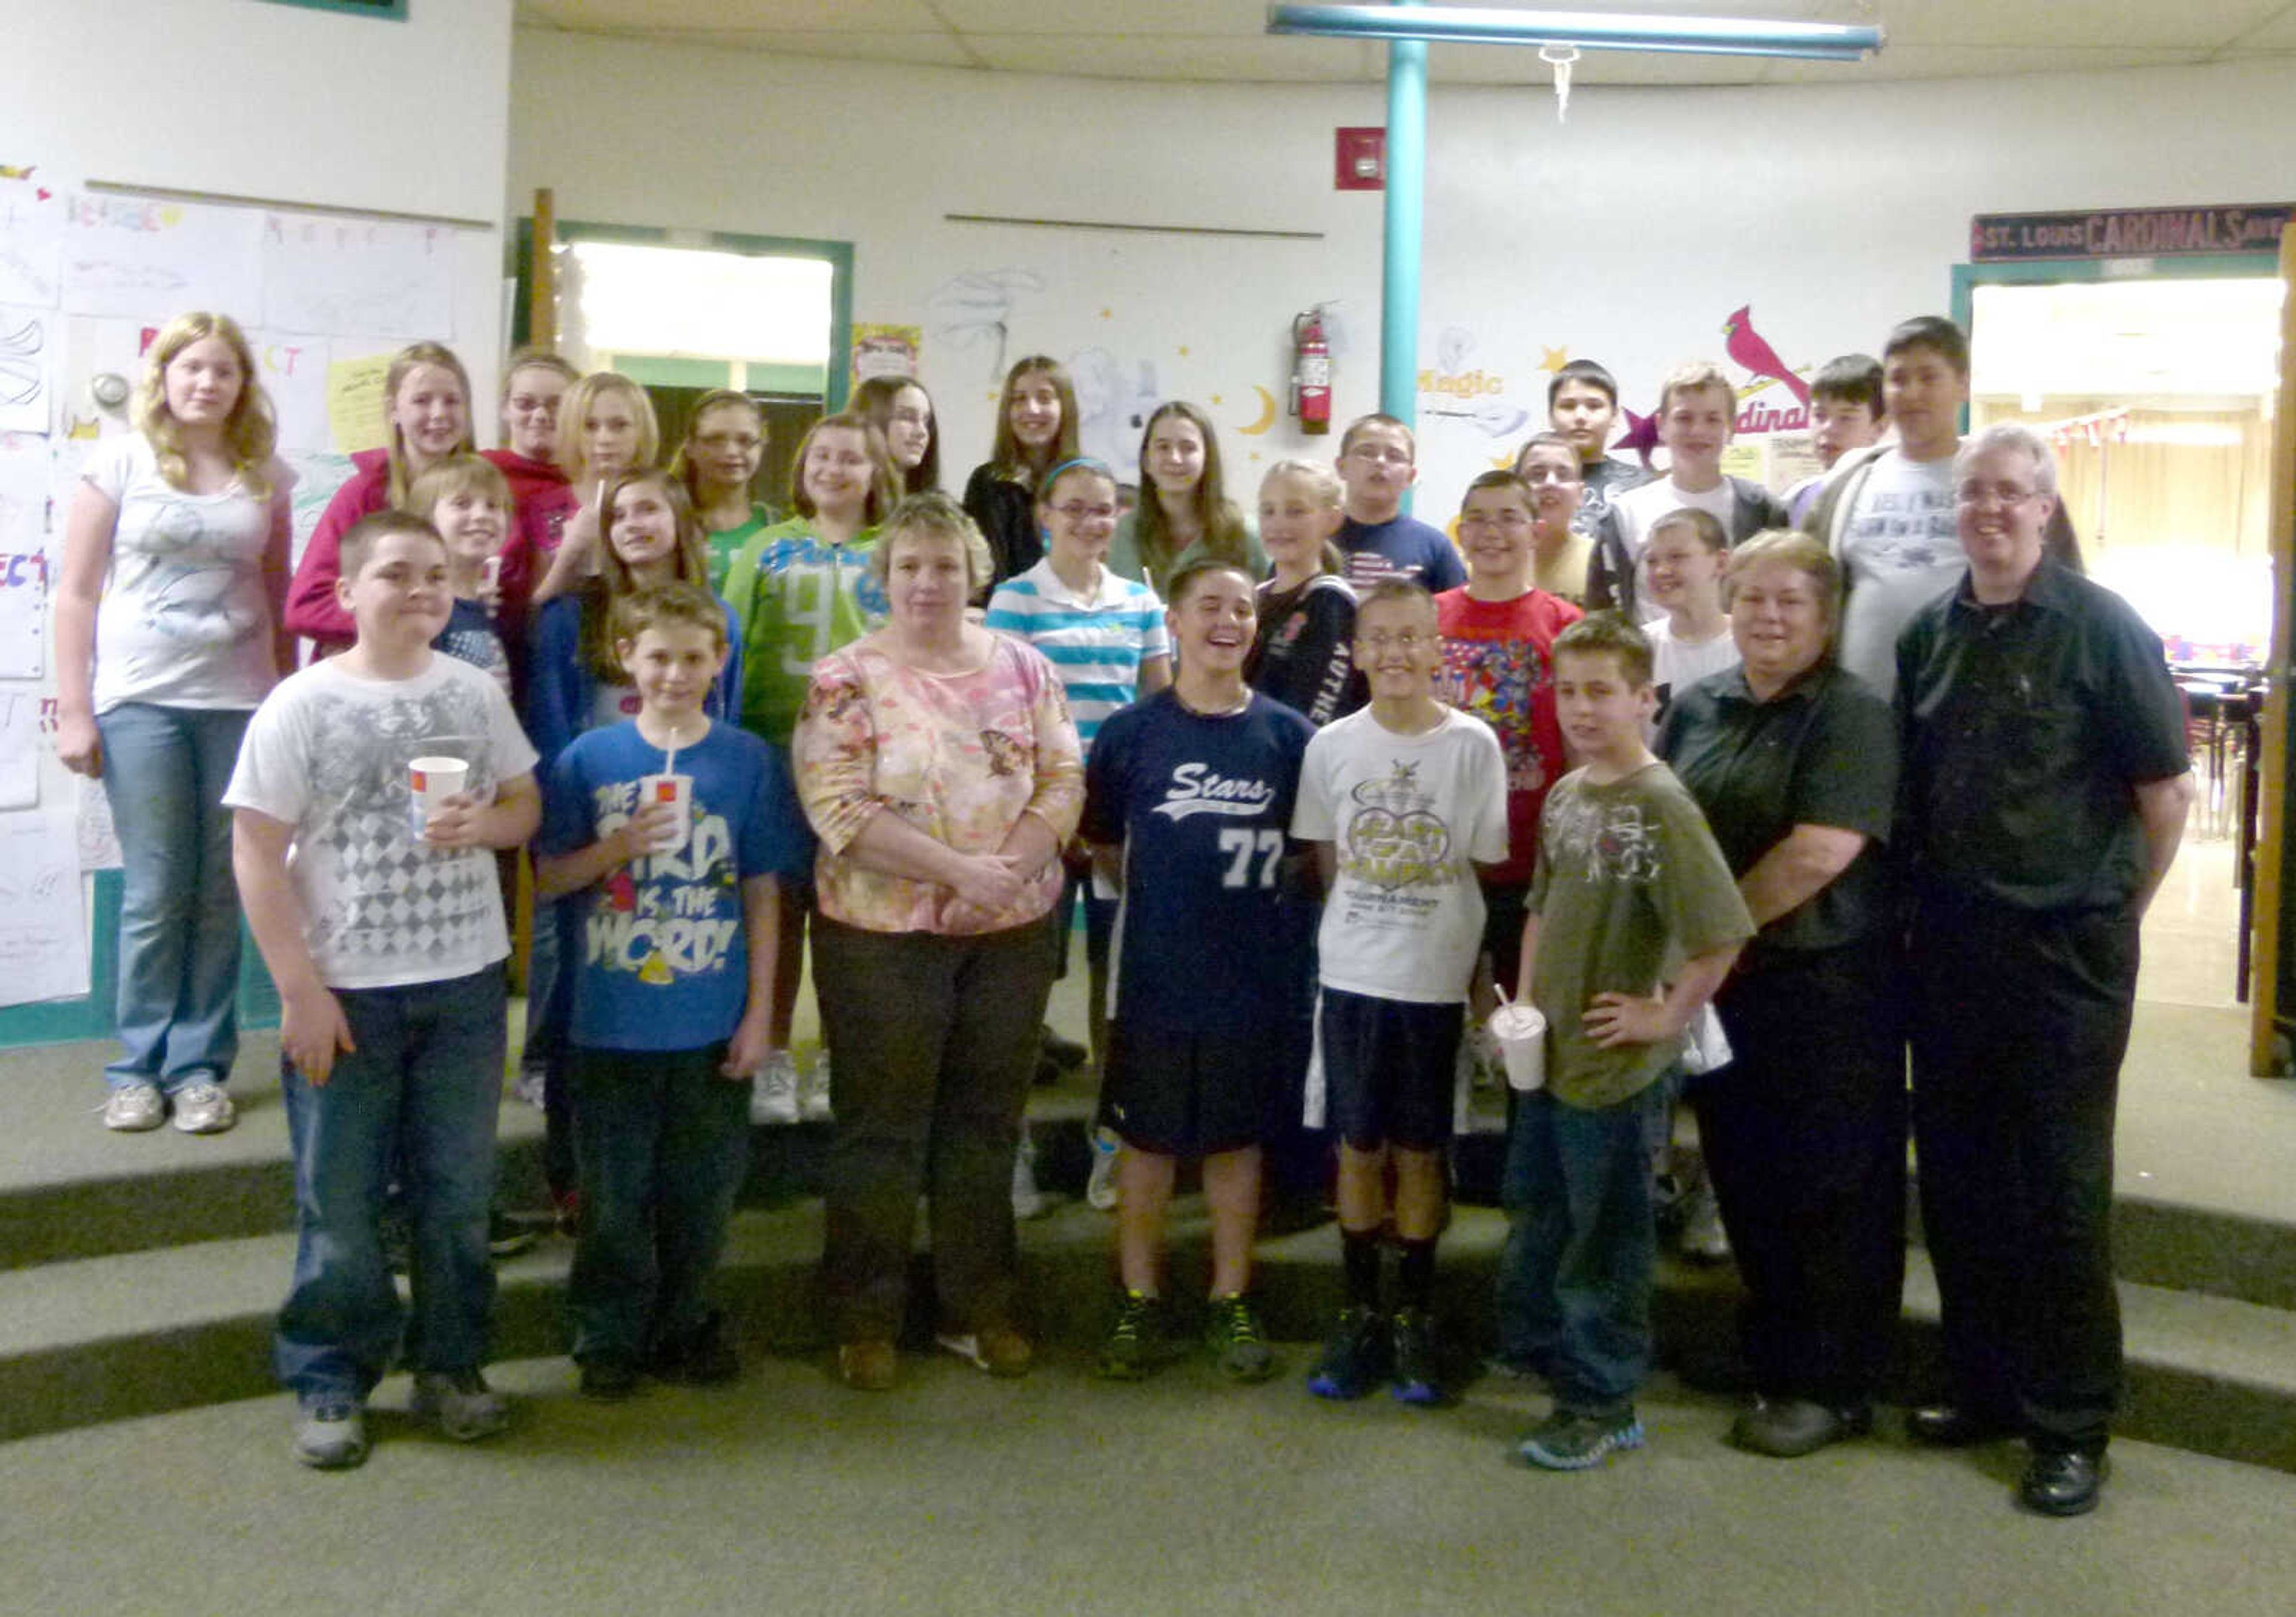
point(1096, 643)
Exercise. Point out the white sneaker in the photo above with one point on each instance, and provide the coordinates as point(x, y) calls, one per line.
point(135, 1107)
point(1027, 1201)
point(330, 1437)
point(1100, 1189)
point(773, 1097)
point(532, 1087)
point(813, 1090)
point(203, 1109)
point(461, 1405)
point(1703, 1237)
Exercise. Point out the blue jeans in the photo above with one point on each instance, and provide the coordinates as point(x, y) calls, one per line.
point(165, 770)
point(418, 1097)
point(1575, 1279)
point(663, 1141)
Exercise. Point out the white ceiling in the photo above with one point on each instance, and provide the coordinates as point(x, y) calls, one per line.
point(1227, 39)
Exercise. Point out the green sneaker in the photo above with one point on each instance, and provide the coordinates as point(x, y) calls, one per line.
point(1134, 1346)
point(1237, 1345)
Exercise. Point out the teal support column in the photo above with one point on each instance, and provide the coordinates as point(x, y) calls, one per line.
point(1406, 208)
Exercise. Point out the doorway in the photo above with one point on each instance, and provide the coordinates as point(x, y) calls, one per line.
point(2158, 394)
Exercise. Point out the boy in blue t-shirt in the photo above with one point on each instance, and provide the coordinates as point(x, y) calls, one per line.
point(1378, 464)
point(665, 829)
point(1188, 794)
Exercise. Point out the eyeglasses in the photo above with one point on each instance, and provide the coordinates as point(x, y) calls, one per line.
point(1410, 639)
point(1074, 512)
point(1508, 519)
point(1993, 494)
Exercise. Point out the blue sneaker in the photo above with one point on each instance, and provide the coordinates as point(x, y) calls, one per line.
point(1416, 1378)
point(1568, 1442)
point(1354, 1358)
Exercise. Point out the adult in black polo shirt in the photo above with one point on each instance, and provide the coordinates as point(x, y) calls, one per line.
point(2045, 789)
point(1794, 762)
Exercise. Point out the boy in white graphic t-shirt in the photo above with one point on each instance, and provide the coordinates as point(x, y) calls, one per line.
point(1403, 799)
point(386, 939)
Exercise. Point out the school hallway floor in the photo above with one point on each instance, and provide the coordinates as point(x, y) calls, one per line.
point(958, 1494)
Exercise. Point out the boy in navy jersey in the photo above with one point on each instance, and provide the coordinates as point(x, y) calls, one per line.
point(1188, 794)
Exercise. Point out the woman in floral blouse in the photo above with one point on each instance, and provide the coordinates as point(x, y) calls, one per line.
point(937, 761)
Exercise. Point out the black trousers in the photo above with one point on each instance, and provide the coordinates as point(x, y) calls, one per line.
point(2020, 1022)
point(1804, 1136)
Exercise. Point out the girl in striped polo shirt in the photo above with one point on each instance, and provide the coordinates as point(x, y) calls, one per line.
point(1104, 635)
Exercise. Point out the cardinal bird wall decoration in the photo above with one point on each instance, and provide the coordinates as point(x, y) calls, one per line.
point(1751, 349)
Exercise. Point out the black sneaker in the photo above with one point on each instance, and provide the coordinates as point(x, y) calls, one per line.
point(610, 1378)
point(1065, 1054)
point(1134, 1343)
point(1354, 1360)
point(704, 1357)
point(1237, 1345)
point(1417, 1376)
point(507, 1236)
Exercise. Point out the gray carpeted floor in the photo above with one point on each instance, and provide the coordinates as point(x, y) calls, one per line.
point(957, 1494)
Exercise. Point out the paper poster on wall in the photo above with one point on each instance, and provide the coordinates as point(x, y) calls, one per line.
point(27, 340)
point(24, 468)
point(24, 615)
point(99, 841)
point(879, 349)
point(148, 259)
point(20, 749)
point(293, 372)
point(42, 922)
point(357, 277)
point(318, 474)
point(31, 238)
point(354, 411)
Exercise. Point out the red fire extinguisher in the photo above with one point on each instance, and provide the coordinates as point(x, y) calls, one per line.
point(1311, 372)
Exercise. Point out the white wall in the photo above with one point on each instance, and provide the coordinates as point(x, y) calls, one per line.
point(1627, 235)
point(281, 104)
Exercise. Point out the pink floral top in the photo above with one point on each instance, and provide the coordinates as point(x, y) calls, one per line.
point(960, 756)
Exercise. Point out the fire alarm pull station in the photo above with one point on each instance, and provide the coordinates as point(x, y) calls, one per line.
point(1362, 160)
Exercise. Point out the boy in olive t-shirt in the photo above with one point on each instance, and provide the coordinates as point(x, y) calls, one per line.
point(1633, 923)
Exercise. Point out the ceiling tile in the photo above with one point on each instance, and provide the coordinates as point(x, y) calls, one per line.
point(2148, 24)
point(2277, 35)
point(1054, 17)
point(1261, 60)
point(1978, 61)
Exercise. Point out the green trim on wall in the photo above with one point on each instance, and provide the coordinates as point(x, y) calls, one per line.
point(764, 377)
point(837, 255)
point(381, 11)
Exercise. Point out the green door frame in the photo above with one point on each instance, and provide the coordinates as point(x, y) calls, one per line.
point(837, 254)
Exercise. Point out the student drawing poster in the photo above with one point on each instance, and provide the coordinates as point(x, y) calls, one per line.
point(23, 614)
point(24, 471)
point(27, 367)
point(144, 258)
point(43, 919)
point(31, 237)
point(885, 350)
point(293, 372)
point(354, 405)
point(20, 749)
point(357, 277)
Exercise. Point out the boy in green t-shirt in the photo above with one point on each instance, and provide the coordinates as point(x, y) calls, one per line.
point(1633, 923)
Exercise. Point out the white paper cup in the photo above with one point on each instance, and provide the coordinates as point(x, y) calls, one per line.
point(677, 791)
point(490, 571)
point(430, 782)
point(1521, 1034)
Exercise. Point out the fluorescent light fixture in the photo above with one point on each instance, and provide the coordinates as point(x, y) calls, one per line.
point(1588, 30)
